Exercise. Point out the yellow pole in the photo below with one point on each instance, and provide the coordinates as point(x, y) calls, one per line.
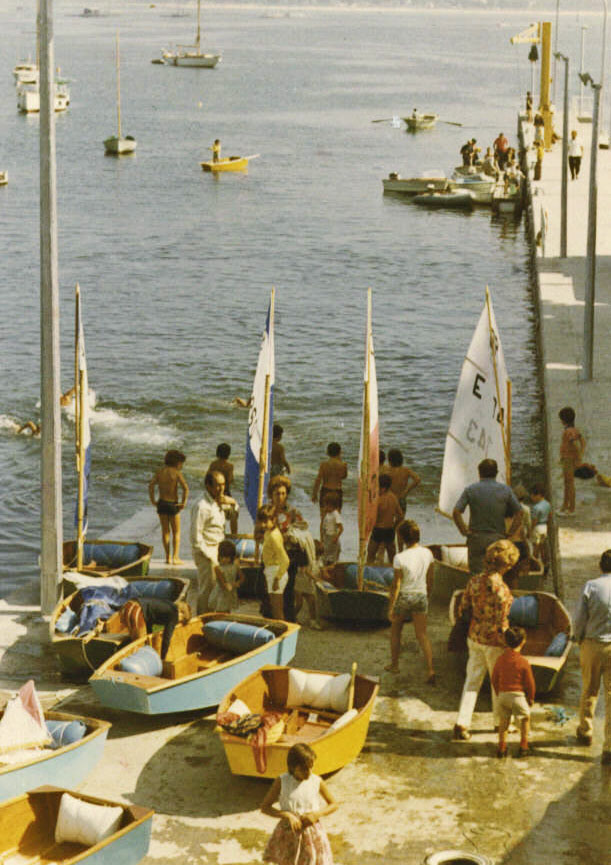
point(77, 405)
point(545, 104)
point(351, 686)
point(81, 477)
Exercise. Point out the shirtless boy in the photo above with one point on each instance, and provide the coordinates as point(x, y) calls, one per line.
point(280, 464)
point(388, 517)
point(168, 479)
point(330, 476)
point(403, 479)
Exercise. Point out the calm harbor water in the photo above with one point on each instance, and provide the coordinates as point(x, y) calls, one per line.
point(175, 266)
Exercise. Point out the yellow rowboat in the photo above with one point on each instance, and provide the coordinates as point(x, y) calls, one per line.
point(232, 163)
point(273, 689)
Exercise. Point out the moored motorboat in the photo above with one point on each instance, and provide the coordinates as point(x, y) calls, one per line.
point(230, 163)
point(71, 762)
point(80, 653)
point(332, 718)
point(28, 97)
point(452, 199)
point(25, 72)
point(548, 633)
point(417, 121)
point(480, 186)
point(205, 659)
point(433, 180)
point(59, 826)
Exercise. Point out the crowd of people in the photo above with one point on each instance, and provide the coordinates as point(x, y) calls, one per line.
point(499, 160)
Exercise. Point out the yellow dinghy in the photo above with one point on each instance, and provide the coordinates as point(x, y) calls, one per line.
point(231, 163)
point(299, 697)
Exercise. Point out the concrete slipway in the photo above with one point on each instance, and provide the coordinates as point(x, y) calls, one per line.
point(412, 791)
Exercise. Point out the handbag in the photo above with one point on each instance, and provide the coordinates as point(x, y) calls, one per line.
point(457, 640)
point(585, 471)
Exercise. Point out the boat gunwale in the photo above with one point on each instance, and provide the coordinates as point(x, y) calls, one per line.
point(98, 727)
point(112, 572)
point(107, 671)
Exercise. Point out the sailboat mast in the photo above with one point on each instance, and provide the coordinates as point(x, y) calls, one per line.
point(198, 36)
point(118, 90)
point(365, 448)
point(503, 419)
point(81, 471)
point(265, 432)
point(77, 402)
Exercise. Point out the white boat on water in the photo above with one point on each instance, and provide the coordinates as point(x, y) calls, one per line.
point(118, 145)
point(427, 181)
point(191, 55)
point(28, 97)
point(417, 121)
point(480, 185)
point(26, 72)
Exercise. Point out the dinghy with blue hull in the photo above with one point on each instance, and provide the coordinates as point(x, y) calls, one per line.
point(197, 672)
point(47, 826)
point(72, 762)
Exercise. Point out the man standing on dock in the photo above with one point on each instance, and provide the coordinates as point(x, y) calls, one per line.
point(593, 633)
point(489, 502)
point(207, 531)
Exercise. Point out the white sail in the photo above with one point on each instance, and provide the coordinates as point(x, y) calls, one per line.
point(477, 428)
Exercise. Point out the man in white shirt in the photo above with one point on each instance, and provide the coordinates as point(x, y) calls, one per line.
point(575, 154)
point(207, 531)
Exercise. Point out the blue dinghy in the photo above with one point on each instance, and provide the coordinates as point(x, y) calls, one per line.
point(53, 825)
point(71, 762)
point(340, 598)
point(206, 658)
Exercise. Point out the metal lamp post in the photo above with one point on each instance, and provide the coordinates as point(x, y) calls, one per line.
point(590, 293)
point(565, 153)
point(556, 56)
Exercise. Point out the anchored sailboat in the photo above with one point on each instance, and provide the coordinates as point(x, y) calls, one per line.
point(116, 144)
point(191, 55)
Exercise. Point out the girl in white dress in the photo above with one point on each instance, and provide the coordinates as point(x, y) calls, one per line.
point(303, 798)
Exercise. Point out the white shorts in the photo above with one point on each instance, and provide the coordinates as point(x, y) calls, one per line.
point(270, 576)
point(539, 532)
point(513, 703)
point(303, 582)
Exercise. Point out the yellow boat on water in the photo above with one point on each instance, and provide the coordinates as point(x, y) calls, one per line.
point(328, 711)
point(231, 163)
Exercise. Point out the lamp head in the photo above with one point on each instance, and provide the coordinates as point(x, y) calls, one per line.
point(586, 78)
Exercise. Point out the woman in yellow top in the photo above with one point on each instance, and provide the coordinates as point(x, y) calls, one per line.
point(275, 559)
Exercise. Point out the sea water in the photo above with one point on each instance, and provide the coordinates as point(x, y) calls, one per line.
point(176, 266)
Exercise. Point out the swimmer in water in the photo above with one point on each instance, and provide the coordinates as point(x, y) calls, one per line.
point(29, 428)
point(241, 403)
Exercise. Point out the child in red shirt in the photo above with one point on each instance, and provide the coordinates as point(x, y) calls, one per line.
point(514, 684)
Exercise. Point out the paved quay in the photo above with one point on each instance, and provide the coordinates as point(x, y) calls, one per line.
point(412, 791)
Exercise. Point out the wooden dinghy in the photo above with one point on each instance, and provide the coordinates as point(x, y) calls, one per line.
point(30, 824)
point(199, 667)
point(109, 558)
point(451, 572)
point(80, 656)
point(552, 632)
point(417, 122)
point(270, 689)
point(231, 163)
point(338, 597)
point(451, 199)
point(70, 762)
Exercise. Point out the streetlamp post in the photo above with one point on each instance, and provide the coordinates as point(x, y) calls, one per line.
point(590, 293)
point(565, 153)
point(584, 27)
point(556, 57)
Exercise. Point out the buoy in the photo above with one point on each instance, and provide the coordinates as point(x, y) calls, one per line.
point(456, 857)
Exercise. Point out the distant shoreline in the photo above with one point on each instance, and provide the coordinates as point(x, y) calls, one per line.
point(318, 5)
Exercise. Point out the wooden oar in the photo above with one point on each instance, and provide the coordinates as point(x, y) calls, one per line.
point(254, 156)
point(351, 687)
point(382, 120)
point(451, 122)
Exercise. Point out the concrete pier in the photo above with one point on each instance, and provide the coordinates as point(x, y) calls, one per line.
point(412, 791)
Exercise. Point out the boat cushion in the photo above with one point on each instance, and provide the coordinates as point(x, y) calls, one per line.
point(236, 637)
point(164, 589)
point(456, 556)
point(67, 621)
point(66, 732)
point(525, 611)
point(245, 547)
point(86, 823)
point(344, 719)
point(557, 646)
point(111, 555)
point(144, 661)
point(319, 690)
point(383, 575)
point(23, 724)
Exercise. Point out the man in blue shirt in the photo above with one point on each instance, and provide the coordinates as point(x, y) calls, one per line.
point(593, 633)
point(489, 502)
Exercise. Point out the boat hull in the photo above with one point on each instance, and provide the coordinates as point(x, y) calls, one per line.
point(443, 200)
point(72, 763)
point(553, 619)
point(28, 822)
point(137, 568)
point(196, 61)
point(333, 749)
point(414, 185)
point(120, 146)
point(234, 163)
point(200, 690)
point(28, 99)
point(342, 601)
point(420, 122)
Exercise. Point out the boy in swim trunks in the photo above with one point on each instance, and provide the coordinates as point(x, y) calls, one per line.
point(388, 517)
point(330, 476)
point(168, 479)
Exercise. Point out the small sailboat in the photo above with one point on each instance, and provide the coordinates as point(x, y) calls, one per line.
point(480, 428)
point(116, 144)
point(27, 80)
point(367, 601)
point(191, 55)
